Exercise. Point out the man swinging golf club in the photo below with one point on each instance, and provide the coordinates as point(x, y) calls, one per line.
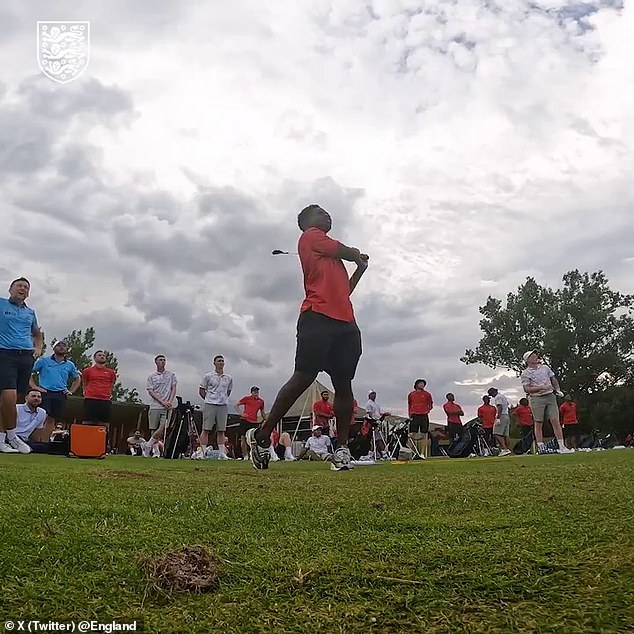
point(328, 337)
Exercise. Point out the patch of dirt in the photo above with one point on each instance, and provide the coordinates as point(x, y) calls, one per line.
point(190, 569)
point(126, 474)
point(380, 506)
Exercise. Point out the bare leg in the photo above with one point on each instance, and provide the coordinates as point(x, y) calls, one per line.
point(557, 429)
point(221, 440)
point(425, 444)
point(343, 406)
point(288, 394)
point(204, 438)
point(539, 435)
point(8, 413)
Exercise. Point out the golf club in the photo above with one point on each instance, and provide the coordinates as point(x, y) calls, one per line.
point(279, 252)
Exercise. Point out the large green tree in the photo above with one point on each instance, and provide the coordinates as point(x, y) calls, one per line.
point(584, 329)
point(81, 343)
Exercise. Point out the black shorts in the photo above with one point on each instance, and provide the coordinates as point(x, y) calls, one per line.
point(454, 430)
point(419, 423)
point(280, 450)
point(16, 367)
point(97, 410)
point(245, 425)
point(488, 434)
point(571, 431)
point(54, 403)
point(327, 344)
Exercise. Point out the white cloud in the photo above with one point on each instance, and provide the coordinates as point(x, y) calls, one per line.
point(463, 145)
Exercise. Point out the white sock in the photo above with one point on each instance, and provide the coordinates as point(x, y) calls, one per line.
point(203, 448)
point(151, 442)
point(11, 434)
point(562, 444)
point(3, 437)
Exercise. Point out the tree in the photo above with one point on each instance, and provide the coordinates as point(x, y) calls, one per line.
point(81, 344)
point(585, 330)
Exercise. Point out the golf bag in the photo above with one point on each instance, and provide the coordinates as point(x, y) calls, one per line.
point(524, 444)
point(463, 446)
point(178, 432)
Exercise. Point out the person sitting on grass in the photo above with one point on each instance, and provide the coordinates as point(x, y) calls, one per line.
point(136, 443)
point(281, 444)
point(31, 418)
point(318, 446)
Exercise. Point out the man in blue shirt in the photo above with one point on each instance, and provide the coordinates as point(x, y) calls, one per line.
point(20, 343)
point(53, 375)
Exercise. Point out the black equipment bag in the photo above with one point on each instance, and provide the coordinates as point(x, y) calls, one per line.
point(177, 439)
point(463, 446)
point(524, 444)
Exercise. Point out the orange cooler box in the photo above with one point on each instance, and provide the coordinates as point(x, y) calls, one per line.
point(88, 441)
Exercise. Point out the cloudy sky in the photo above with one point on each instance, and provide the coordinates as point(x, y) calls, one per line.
point(463, 145)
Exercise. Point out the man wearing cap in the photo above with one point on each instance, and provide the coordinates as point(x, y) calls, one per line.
point(541, 386)
point(51, 376)
point(318, 446)
point(253, 405)
point(20, 343)
point(502, 424)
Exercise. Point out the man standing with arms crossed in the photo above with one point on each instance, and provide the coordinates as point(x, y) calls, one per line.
point(539, 382)
point(215, 389)
point(161, 386)
point(328, 337)
point(20, 344)
point(253, 405)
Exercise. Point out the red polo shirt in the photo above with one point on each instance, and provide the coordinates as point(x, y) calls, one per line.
point(98, 382)
point(252, 405)
point(452, 410)
point(323, 411)
point(568, 413)
point(325, 277)
point(524, 415)
point(419, 402)
point(487, 415)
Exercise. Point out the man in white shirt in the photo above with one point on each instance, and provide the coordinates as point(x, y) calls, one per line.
point(542, 388)
point(502, 425)
point(215, 388)
point(31, 417)
point(318, 446)
point(161, 386)
point(372, 409)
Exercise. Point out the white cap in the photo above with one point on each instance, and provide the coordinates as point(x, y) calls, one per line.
point(527, 354)
point(316, 427)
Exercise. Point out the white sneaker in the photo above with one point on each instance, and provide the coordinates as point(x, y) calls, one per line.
point(19, 445)
point(505, 452)
point(564, 449)
point(223, 456)
point(4, 448)
point(341, 460)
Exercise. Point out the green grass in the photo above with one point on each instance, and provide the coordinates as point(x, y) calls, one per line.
point(518, 544)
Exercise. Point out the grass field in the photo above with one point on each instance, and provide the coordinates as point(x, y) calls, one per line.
point(517, 544)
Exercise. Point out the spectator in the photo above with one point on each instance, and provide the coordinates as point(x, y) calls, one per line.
point(59, 434)
point(318, 446)
point(282, 446)
point(98, 381)
point(53, 375)
point(419, 405)
point(502, 426)
point(21, 342)
point(253, 405)
point(136, 443)
point(215, 388)
point(541, 385)
point(487, 414)
point(524, 417)
point(31, 418)
point(323, 412)
point(454, 412)
point(161, 387)
point(569, 422)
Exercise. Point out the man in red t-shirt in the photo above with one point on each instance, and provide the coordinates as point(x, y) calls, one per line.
point(419, 404)
point(524, 416)
point(487, 414)
point(98, 381)
point(569, 422)
point(323, 412)
point(328, 337)
point(454, 412)
point(253, 405)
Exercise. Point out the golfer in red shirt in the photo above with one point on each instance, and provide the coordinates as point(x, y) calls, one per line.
point(253, 405)
point(323, 412)
point(98, 381)
point(569, 422)
point(487, 414)
point(419, 404)
point(454, 412)
point(328, 337)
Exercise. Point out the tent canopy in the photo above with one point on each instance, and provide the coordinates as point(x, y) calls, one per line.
point(303, 406)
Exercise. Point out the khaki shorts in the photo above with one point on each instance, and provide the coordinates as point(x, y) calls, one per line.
point(155, 417)
point(544, 408)
point(215, 416)
point(502, 426)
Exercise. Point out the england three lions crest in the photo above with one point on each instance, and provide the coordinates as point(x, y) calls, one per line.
point(63, 49)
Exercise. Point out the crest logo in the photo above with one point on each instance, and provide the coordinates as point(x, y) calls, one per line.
point(63, 49)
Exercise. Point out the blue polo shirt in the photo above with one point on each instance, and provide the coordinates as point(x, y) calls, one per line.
point(53, 374)
point(17, 324)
